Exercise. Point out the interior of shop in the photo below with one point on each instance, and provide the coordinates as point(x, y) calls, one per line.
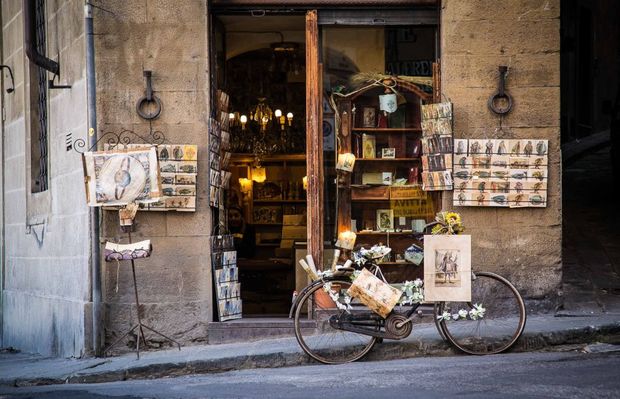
point(260, 63)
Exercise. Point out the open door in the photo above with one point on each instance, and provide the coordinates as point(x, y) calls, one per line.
point(314, 139)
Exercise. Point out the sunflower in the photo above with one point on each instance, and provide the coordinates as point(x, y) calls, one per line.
point(438, 229)
point(453, 218)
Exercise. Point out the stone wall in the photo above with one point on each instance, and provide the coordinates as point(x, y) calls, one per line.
point(170, 39)
point(476, 37)
point(46, 290)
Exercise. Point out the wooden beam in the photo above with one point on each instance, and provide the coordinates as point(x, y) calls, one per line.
point(314, 140)
point(316, 3)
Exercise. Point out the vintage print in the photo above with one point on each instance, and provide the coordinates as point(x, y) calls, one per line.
point(501, 173)
point(437, 144)
point(120, 177)
point(385, 219)
point(447, 268)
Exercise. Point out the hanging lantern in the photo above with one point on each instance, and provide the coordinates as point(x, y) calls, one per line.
point(346, 240)
point(259, 174)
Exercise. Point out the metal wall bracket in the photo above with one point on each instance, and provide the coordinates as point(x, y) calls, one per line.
point(500, 94)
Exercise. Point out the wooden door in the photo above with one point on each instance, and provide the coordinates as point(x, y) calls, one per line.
point(314, 140)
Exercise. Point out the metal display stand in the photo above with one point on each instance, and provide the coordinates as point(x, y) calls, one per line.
point(139, 325)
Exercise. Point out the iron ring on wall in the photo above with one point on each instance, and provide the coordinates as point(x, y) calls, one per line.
point(492, 103)
point(145, 101)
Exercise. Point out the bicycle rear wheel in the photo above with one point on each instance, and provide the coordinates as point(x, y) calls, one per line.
point(500, 327)
point(319, 339)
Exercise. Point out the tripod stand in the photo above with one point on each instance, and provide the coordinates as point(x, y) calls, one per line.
point(139, 325)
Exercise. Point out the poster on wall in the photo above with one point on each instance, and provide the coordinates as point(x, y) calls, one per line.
point(178, 170)
point(501, 172)
point(447, 268)
point(437, 147)
point(122, 176)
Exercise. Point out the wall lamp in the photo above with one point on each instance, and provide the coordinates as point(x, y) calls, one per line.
point(12, 88)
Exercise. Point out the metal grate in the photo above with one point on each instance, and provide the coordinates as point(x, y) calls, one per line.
point(42, 179)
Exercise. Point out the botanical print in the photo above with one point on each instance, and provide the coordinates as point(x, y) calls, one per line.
point(501, 173)
point(178, 164)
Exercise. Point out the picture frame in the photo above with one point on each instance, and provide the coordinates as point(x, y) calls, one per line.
point(447, 268)
point(385, 219)
point(388, 153)
point(369, 117)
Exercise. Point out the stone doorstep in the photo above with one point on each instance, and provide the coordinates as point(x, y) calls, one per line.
point(252, 329)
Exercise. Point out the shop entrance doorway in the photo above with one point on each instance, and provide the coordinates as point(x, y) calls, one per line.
point(279, 68)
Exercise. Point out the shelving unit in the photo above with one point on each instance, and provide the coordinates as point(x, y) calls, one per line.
point(400, 131)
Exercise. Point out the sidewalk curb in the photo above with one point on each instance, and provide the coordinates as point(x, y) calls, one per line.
point(389, 350)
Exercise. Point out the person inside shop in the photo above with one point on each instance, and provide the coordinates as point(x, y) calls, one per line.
point(243, 233)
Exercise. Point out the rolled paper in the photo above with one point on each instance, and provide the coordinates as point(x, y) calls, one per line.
point(311, 264)
point(335, 261)
point(348, 263)
point(308, 270)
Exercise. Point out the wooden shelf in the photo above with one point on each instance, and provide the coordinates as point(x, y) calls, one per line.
point(387, 129)
point(268, 244)
point(387, 159)
point(277, 201)
point(249, 158)
point(385, 233)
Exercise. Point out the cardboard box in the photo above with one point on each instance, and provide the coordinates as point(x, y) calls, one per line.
point(383, 178)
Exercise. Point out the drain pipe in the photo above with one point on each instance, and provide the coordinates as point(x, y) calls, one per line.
point(95, 258)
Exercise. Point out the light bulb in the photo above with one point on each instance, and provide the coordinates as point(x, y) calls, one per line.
point(278, 113)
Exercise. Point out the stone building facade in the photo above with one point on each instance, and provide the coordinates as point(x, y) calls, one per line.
point(46, 281)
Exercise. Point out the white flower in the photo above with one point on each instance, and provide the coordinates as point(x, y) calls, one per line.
point(327, 287)
point(418, 283)
point(473, 314)
point(462, 313)
point(444, 316)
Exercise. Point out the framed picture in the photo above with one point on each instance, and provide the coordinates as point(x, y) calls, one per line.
point(447, 268)
point(369, 117)
point(388, 153)
point(119, 177)
point(385, 219)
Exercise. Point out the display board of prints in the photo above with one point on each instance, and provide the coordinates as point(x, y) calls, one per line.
point(215, 176)
point(116, 177)
point(501, 172)
point(226, 277)
point(437, 147)
point(178, 170)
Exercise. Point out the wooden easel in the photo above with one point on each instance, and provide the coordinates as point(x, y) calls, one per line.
point(127, 216)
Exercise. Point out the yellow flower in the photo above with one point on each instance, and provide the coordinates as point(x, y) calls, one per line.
point(437, 229)
point(453, 218)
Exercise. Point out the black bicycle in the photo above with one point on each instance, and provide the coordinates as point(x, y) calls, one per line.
point(332, 333)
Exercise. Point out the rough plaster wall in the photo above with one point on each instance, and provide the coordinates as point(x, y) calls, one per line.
point(170, 39)
point(47, 279)
point(476, 37)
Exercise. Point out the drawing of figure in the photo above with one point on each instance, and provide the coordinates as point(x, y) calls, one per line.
point(480, 199)
point(541, 148)
point(461, 198)
point(475, 148)
point(460, 149)
point(501, 148)
point(519, 187)
point(516, 149)
point(528, 148)
point(489, 148)
point(481, 186)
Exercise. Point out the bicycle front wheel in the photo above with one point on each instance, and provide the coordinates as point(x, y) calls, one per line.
point(500, 326)
point(317, 336)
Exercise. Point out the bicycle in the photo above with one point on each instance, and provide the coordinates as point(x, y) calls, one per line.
point(333, 335)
